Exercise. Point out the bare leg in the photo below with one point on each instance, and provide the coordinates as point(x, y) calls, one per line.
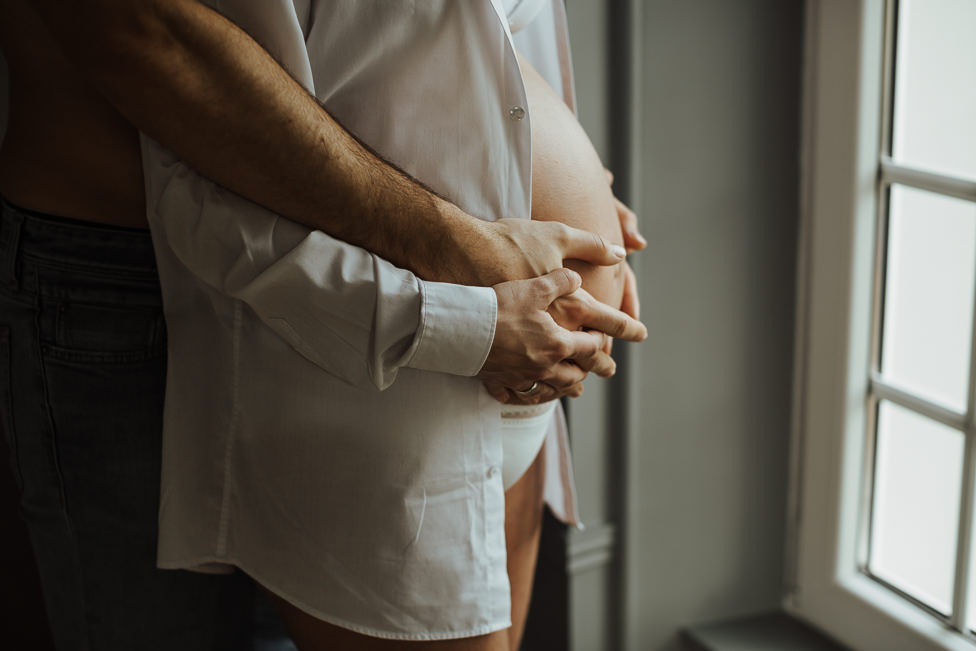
point(523, 526)
point(311, 634)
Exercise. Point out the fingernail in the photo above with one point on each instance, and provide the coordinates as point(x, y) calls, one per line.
point(619, 251)
point(640, 238)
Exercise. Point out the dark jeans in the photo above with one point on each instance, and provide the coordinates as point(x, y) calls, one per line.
point(82, 375)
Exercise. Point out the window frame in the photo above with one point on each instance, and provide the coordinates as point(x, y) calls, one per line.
point(844, 121)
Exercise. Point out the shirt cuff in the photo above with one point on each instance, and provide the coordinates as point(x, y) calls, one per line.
point(457, 327)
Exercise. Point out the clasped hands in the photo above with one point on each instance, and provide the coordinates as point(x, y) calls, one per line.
point(550, 333)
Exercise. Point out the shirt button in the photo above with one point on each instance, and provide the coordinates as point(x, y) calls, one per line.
point(492, 472)
point(516, 113)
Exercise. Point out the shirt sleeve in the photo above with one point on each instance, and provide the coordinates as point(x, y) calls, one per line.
point(345, 309)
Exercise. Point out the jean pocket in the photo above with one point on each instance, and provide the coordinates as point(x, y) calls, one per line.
point(97, 333)
point(7, 405)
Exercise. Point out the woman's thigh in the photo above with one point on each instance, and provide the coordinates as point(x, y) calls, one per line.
point(523, 526)
point(312, 634)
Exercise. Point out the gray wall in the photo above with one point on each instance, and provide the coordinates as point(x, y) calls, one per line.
point(593, 563)
point(718, 151)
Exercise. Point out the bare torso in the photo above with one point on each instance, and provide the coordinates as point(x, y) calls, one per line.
point(67, 151)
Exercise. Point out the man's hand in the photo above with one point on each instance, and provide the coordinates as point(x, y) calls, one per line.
point(518, 249)
point(539, 341)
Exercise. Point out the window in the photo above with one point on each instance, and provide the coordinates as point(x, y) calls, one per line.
point(885, 413)
point(919, 516)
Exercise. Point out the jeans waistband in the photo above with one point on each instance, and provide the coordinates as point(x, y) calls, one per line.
point(27, 233)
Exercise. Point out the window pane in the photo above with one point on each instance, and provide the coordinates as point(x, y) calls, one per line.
point(970, 622)
point(935, 97)
point(918, 475)
point(928, 308)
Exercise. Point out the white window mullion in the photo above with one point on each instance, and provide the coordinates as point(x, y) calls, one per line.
point(952, 186)
point(935, 411)
point(866, 507)
point(961, 594)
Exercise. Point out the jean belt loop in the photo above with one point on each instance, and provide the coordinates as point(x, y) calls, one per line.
point(10, 226)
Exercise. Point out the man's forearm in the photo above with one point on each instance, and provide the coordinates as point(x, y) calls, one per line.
point(195, 82)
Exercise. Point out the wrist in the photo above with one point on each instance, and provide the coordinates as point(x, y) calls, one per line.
point(465, 250)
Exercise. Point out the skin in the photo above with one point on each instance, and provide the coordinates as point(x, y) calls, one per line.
point(569, 184)
point(193, 81)
point(523, 528)
point(196, 83)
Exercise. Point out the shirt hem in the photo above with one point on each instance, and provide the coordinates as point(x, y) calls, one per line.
point(210, 561)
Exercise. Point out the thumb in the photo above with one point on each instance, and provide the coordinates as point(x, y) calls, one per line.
point(589, 247)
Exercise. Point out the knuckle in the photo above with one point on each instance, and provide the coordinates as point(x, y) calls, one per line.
point(588, 363)
point(565, 275)
point(617, 326)
point(538, 360)
point(541, 288)
point(559, 306)
point(561, 350)
point(560, 233)
point(598, 242)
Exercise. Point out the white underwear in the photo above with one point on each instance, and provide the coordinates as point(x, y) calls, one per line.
point(524, 431)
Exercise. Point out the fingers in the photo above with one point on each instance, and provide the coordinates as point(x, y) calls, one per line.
point(555, 284)
point(587, 246)
point(589, 352)
point(631, 301)
point(497, 391)
point(564, 375)
point(633, 240)
point(599, 362)
point(580, 310)
point(617, 324)
point(546, 393)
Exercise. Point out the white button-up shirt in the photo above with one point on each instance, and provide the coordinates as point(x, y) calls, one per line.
point(322, 427)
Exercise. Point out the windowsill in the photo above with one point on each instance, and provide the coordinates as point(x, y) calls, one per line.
point(774, 631)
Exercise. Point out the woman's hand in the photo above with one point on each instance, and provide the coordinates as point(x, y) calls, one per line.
point(633, 240)
point(561, 312)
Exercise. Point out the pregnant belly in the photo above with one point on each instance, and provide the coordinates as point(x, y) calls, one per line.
point(569, 183)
